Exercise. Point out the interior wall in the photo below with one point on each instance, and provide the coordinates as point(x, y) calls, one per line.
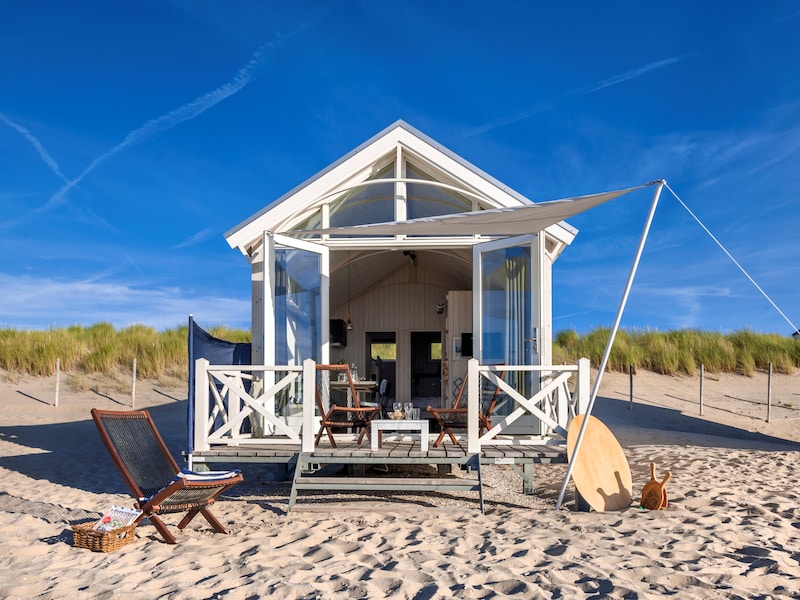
point(402, 302)
point(459, 321)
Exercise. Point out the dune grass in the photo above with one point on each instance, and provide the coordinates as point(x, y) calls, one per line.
point(681, 351)
point(101, 349)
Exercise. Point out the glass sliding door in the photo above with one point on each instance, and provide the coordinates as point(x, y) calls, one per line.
point(505, 306)
point(296, 310)
point(298, 307)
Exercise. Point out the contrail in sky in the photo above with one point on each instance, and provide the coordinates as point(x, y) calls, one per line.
point(49, 160)
point(631, 74)
point(621, 78)
point(183, 113)
point(611, 81)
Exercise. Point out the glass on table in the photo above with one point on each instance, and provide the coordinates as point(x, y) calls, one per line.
point(409, 410)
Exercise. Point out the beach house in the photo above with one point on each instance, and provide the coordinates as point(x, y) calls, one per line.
point(429, 300)
point(410, 265)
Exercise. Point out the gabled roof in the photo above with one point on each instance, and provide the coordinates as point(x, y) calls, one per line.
point(359, 164)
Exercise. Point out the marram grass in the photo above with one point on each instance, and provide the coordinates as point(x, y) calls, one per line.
point(681, 351)
point(102, 349)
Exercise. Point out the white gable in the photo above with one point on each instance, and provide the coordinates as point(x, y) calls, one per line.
point(399, 144)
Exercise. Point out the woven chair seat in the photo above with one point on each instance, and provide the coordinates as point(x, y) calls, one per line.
point(151, 473)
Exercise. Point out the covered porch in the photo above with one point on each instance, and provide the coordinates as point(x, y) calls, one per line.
point(247, 423)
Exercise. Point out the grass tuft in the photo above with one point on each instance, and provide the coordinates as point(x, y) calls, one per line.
point(162, 356)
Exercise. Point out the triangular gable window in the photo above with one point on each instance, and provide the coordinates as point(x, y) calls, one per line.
point(385, 197)
point(430, 200)
point(368, 204)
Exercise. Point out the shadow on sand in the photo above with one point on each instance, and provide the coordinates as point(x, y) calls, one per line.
point(664, 425)
point(71, 454)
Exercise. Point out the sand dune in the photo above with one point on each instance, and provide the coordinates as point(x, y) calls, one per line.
point(732, 528)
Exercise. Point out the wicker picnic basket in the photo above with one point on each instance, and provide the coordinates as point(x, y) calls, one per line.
point(83, 536)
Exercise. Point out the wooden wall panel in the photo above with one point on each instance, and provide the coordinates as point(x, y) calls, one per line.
point(402, 302)
point(459, 321)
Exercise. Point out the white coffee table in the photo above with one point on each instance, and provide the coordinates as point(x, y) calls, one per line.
point(380, 425)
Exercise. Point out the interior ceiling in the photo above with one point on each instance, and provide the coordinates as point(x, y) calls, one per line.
point(453, 267)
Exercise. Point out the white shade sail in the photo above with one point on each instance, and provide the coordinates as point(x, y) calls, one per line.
point(517, 220)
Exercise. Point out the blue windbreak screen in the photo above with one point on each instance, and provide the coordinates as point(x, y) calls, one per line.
point(217, 352)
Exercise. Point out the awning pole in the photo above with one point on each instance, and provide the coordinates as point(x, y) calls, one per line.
point(611, 337)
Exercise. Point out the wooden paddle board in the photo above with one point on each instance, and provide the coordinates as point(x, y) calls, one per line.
point(600, 472)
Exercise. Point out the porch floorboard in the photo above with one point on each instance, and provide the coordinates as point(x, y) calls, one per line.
point(394, 450)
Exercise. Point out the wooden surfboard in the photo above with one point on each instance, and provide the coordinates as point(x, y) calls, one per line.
point(601, 472)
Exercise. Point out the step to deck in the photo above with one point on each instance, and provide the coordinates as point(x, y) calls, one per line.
point(304, 481)
point(386, 483)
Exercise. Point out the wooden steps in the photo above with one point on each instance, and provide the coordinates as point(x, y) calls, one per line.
point(306, 480)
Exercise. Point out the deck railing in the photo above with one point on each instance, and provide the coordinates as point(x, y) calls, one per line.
point(541, 419)
point(270, 412)
point(258, 404)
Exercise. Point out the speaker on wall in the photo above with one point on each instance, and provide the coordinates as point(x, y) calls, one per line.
point(338, 329)
point(466, 344)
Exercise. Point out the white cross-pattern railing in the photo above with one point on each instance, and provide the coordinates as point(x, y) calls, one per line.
point(552, 407)
point(223, 405)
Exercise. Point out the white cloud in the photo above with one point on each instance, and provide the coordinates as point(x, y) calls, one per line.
point(39, 303)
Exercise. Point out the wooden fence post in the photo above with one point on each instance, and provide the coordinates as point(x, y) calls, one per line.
point(630, 376)
point(58, 378)
point(702, 378)
point(769, 394)
point(133, 384)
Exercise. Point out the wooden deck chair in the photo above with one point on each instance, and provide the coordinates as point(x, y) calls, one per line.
point(456, 416)
point(382, 400)
point(153, 477)
point(356, 416)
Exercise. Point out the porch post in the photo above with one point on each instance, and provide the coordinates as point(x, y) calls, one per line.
point(473, 399)
point(307, 432)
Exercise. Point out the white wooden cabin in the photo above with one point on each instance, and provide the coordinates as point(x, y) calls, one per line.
point(435, 302)
point(413, 292)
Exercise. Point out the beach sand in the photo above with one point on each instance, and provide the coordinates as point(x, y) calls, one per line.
point(731, 530)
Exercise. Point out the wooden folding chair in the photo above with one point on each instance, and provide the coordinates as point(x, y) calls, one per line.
point(456, 416)
point(356, 416)
point(154, 479)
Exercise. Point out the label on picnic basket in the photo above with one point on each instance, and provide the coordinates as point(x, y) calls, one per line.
point(116, 517)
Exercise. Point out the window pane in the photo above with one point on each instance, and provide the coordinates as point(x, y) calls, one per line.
point(367, 204)
point(298, 306)
point(506, 305)
point(312, 222)
point(429, 200)
point(384, 350)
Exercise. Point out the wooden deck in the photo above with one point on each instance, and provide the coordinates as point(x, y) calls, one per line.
point(398, 450)
point(395, 450)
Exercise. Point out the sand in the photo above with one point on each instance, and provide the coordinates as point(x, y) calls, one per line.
point(731, 530)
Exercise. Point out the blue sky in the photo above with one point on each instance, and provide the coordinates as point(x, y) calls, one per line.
point(134, 134)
